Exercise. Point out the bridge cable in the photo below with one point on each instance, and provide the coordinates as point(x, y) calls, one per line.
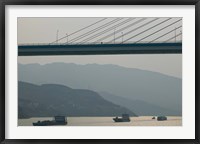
point(158, 31)
point(136, 28)
point(148, 29)
point(130, 25)
point(163, 35)
point(106, 30)
point(94, 30)
point(79, 30)
point(172, 37)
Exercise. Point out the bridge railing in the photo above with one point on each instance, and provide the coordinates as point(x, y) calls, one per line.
point(92, 43)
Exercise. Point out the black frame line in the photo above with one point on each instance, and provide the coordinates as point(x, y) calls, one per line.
point(4, 3)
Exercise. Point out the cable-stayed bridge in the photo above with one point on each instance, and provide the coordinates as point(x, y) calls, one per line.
point(115, 36)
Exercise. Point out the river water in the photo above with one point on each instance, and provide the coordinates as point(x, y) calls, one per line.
point(107, 121)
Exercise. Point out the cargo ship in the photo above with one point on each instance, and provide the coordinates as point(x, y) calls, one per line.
point(57, 120)
point(124, 118)
point(161, 118)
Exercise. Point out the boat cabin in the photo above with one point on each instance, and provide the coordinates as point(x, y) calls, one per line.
point(59, 118)
point(161, 118)
point(124, 118)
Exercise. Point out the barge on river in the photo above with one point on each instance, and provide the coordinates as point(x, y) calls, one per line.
point(57, 120)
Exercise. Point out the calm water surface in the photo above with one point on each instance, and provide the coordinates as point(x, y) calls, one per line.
point(107, 121)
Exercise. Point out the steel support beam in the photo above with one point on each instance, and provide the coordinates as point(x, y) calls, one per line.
point(92, 49)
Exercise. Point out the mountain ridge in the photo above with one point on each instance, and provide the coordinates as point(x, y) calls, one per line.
point(50, 99)
point(37, 64)
point(140, 107)
point(152, 87)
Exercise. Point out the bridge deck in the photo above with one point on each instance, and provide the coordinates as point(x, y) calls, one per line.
point(90, 49)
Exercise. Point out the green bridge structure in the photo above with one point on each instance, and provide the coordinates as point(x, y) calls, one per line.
point(91, 49)
point(115, 36)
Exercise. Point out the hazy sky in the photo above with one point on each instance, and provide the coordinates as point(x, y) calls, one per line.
point(47, 30)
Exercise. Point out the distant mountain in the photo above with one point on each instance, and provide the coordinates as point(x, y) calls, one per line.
point(146, 86)
point(140, 107)
point(51, 99)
